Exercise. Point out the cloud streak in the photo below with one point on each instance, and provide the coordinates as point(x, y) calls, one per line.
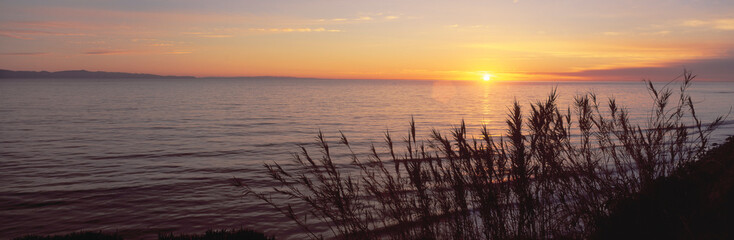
point(361, 18)
point(28, 34)
point(108, 52)
point(127, 52)
point(288, 30)
point(208, 35)
point(720, 24)
point(14, 35)
point(25, 53)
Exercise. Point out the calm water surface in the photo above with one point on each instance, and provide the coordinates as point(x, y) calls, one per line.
point(142, 156)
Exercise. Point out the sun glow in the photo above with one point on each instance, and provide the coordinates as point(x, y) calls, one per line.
point(487, 77)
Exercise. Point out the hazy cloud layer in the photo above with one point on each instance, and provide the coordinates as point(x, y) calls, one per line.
point(716, 69)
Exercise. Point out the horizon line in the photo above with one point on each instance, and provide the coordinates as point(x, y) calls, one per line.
point(641, 79)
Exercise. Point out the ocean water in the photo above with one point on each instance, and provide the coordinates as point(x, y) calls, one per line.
point(143, 156)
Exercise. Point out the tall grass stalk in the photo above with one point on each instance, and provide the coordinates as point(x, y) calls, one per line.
point(552, 175)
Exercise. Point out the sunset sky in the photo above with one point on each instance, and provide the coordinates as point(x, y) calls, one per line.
point(375, 39)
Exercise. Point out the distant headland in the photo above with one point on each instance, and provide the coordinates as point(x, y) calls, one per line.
point(114, 75)
point(81, 74)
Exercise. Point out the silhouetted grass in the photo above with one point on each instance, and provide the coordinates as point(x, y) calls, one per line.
point(222, 234)
point(553, 174)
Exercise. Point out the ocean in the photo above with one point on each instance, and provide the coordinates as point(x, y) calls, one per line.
point(143, 156)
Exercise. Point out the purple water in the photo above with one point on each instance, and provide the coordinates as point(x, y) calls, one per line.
point(142, 156)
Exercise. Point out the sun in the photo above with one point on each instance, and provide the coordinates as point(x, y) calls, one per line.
point(487, 77)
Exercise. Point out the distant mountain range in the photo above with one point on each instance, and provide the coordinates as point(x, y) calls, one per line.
point(82, 74)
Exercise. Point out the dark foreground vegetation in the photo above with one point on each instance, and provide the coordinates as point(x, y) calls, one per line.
point(695, 202)
point(581, 172)
point(223, 234)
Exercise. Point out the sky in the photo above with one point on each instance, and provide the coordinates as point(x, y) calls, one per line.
point(511, 40)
